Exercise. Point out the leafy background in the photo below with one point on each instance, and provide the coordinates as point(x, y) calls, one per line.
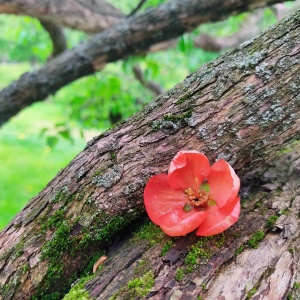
point(43, 138)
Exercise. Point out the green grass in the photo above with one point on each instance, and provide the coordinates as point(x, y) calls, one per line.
point(27, 164)
point(12, 71)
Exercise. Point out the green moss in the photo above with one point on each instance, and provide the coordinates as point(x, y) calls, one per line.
point(240, 249)
point(54, 221)
point(179, 274)
point(78, 291)
point(166, 248)
point(155, 125)
point(104, 228)
point(17, 225)
point(63, 195)
point(59, 243)
point(18, 250)
point(137, 287)
point(175, 118)
point(150, 232)
point(4, 289)
point(271, 222)
point(296, 285)
point(251, 293)
point(25, 268)
point(284, 212)
point(290, 297)
point(99, 172)
point(258, 204)
point(141, 267)
point(219, 239)
point(256, 239)
point(197, 253)
point(113, 155)
point(183, 99)
point(140, 287)
point(63, 244)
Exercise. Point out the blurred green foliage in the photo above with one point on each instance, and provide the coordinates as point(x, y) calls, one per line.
point(44, 137)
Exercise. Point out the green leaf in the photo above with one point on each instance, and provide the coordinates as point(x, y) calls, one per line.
point(51, 141)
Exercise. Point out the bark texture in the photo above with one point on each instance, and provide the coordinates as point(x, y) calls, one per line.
point(258, 258)
point(133, 36)
point(86, 15)
point(243, 107)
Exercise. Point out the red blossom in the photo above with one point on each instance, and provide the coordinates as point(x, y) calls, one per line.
point(193, 195)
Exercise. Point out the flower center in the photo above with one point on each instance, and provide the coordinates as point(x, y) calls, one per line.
point(197, 197)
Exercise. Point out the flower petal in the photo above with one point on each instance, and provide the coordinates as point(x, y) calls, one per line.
point(160, 198)
point(218, 220)
point(178, 222)
point(223, 182)
point(185, 167)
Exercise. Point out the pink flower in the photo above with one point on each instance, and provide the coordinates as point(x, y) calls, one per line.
point(193, 195)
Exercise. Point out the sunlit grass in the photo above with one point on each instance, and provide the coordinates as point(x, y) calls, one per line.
point(27, 164)
point(12, 71)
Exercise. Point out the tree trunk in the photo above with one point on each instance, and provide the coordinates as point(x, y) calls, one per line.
point(134, 36)
point(243, 107)
point(257, 258)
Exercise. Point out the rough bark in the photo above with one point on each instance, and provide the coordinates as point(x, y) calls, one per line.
point(258, 258)
point(88, 15)
point(134, 36)
point(243, 107)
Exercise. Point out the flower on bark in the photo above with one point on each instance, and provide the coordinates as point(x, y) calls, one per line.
point(193, 195)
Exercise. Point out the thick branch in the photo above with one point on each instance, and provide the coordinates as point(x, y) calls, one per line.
point(133, 36)
point(59, 43)
point(249, 29)
point(86, 15)
point(243, 107)
point(231, 265)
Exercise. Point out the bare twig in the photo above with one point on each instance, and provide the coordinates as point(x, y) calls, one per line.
point(141, 3)
point(152, 86)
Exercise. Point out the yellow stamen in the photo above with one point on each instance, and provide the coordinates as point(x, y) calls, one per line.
point(197, 196)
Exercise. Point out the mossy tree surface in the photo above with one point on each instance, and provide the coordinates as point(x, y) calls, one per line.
point(135, 35)
point(242, 262)
point(243, 107)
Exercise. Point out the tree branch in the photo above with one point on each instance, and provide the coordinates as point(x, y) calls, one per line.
point(249, 29)
point(134, 11)
point(243, 107)
point(233, 265)
point(59, 43)
point(152, 86)
point(134, 36)
point(88, 15)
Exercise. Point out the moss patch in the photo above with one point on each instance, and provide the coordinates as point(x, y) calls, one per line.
point(78, 291)
point(150, 232)
point(256, 239)
point(66, 246)
point(271, 222)
point(137, 287)
point(179, 274)
point(197, 253)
